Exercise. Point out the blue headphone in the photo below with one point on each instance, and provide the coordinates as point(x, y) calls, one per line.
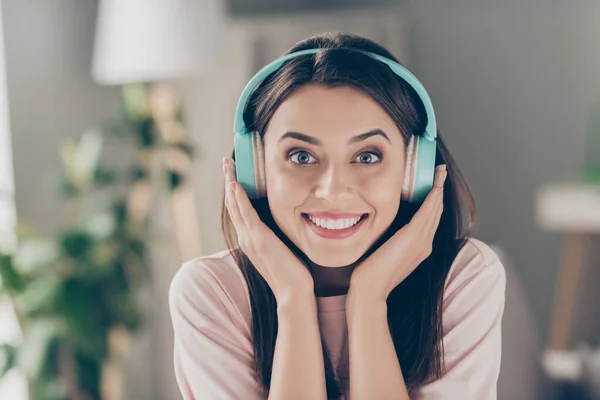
point(421, 150)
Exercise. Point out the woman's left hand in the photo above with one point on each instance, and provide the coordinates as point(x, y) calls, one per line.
point(400, 255)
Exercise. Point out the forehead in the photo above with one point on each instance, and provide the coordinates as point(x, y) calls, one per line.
point(330, 113)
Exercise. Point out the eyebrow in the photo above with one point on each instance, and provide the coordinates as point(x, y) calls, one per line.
point(312, 140)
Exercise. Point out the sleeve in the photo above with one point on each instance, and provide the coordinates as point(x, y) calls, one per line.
point(212, 357)
point(472, 330)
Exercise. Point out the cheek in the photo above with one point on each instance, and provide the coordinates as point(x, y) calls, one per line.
point(383, 191)
point(283, 180)
point(285, 190)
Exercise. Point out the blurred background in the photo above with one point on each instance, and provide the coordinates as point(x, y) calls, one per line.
point(114, 118)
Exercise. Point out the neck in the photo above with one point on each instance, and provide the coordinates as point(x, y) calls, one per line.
point(331, 281)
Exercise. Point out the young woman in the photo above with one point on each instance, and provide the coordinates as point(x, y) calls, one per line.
point(350, 271)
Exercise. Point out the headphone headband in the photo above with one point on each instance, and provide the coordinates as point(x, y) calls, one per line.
point(239, 127)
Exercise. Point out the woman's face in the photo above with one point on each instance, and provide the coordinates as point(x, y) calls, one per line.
point(334, 164)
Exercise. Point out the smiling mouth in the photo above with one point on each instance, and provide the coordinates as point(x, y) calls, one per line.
point(335, 228)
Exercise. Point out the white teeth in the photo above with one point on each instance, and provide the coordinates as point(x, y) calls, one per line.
point(334, 224)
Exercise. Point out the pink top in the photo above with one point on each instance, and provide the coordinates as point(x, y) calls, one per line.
point(210, 310)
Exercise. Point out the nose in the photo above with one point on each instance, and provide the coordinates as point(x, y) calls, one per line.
point(334, 185)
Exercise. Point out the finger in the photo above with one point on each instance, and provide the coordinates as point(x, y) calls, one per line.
point(420, 221)
point(231, 170)
point(436, 220)
point(246, 211)
point(436, 201)
point(251, 219)
point(440, 210)
point(231, 201)
point(440, 176)
point(438, 194)
point(425, 216)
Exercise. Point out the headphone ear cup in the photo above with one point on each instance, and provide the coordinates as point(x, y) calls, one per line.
point(258, 153)
point(424, 168)
point(408, 186)
point(244, 162)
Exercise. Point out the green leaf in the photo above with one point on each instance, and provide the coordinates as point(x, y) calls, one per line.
point(87, 156)
point(145, 134)
point(103, 257)
point(122, 303)
point(39, 296)
point(76, 243)
point(175, 179)
point(10, 280)
point(89, 371)
point(592, 177)
point(47, 389)
point(83, 308)
point(101, 226)
point(66, 187)
point(137, 246)
point(119, 210)
point(104, 176)
point(138, 174)
point(118, 129)
point(68, 156)
point(34, 255)
point(33, 358)
point(135, 101)
point(128, 313)
point(8, 356)
point(179, 115)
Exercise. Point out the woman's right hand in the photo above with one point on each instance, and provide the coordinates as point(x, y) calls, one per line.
point(287, 276)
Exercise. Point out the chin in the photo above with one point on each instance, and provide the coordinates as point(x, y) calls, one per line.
point(334, 259)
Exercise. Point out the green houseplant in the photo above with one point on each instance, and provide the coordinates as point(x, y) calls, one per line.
point(76, 294)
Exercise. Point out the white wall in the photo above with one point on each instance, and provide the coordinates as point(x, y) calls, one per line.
point(13, 385)
point(51, 96)
point(512, 83)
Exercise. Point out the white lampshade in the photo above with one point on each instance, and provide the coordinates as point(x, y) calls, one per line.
point(153, 40)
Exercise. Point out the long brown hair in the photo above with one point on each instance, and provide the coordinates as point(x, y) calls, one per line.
point(415, 306)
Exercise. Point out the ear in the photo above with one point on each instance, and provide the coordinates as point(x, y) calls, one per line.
point(408, 186)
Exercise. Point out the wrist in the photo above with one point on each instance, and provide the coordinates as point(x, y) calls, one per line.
point(365, 292)
point(296, 302)
point(364, 302)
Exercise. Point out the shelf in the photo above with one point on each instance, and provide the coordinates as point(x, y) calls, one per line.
point(569, 207)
